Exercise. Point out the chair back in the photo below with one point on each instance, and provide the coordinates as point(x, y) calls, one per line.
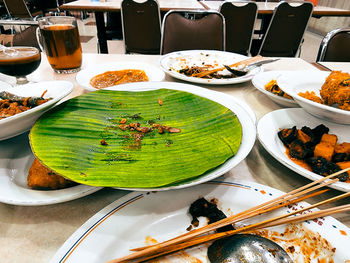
point(47, 6)
point(286, 30)
point(239, 23)
point(335, 46)
point(185, 30)
point(17, 9)
point(141, 26)
point(26, 37)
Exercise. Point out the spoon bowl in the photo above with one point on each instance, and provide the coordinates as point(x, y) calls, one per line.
point(245, 70)
point(247, 248)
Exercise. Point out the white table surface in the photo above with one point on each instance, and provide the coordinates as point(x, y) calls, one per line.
point(34, 234)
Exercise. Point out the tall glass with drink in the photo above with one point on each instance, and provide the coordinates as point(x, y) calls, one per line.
point(60, 37)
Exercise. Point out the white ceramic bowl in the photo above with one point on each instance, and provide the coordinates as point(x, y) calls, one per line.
point(271, 123)
point(19, 123)
point(302, 81)
point(85, 75)
point(260, 80)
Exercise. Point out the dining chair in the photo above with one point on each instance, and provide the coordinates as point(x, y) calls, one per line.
point(185, 30)
point(285, 32)
point(239, 22)
point(141, 26)
point(48, 7)
point(335, 46)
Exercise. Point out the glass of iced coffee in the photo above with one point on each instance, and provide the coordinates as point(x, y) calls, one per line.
point(61, 41)
point(19, 62)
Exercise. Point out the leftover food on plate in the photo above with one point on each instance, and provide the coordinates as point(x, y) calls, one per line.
point(11, 104)
point(317, 150)
point(301, 244)
point(334, 92)
point(112, 78)
point(202, 65)
point(273, 87)
point(42, 178)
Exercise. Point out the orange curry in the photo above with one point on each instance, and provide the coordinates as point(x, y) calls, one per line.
point(112, 78)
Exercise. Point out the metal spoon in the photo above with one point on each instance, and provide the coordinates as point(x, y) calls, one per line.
point(248, 249)
point(245, 70)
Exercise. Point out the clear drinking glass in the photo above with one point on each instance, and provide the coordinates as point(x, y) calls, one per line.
point(61, 41)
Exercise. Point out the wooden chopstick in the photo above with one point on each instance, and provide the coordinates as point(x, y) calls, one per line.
point(246, 229)
point(265, 210)
point(230, 220)
point(243, 62)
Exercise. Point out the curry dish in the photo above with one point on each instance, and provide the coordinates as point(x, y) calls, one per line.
point(112, 78)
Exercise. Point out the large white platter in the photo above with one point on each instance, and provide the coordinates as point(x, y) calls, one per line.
point(270, 124)
point(172, 62)
point(15, 160)
point(260, 80)
point(86, 74)
point(302, 81)
point(23, 121)
point(137, 217)
point(244, 113)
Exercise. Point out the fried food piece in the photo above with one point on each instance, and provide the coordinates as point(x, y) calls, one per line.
point(42, 178)
point(336, 89)
point(311, 96)
point(273, 87)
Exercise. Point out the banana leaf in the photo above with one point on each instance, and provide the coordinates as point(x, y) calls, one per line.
point(82, 140)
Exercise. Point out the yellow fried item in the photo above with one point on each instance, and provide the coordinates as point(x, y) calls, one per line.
point(42, 178)
point(336, 90)
point(311, 95)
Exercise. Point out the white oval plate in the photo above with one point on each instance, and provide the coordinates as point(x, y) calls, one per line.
point(85, 75)
point(15, 160)
point(270, 124)
point(130, 221)
point(302, 81)
point(260, 80)
point(172, 62)
point(22, 122)
point(244, 113)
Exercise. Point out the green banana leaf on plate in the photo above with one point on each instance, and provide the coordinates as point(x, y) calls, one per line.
point(136, 139)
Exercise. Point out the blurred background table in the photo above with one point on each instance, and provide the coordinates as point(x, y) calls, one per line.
point(34, 234)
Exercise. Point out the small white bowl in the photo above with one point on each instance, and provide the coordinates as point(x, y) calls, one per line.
point(302, 81)
point(22, 122)
point(260, 80)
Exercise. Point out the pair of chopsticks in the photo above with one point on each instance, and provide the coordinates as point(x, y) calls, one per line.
point(237, 64)
point(199, 235)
